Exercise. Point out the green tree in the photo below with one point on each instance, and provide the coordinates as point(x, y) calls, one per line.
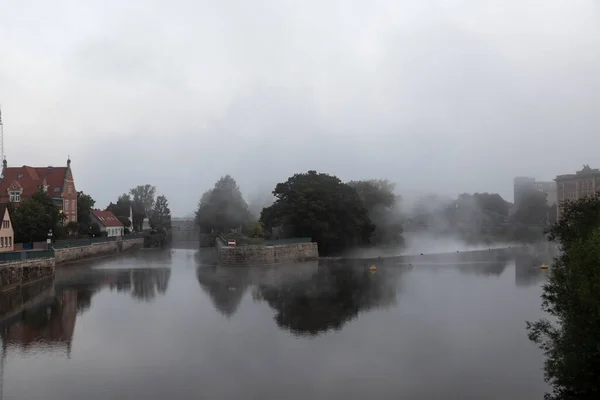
point(122, 210)
point(572, 343)
point(142, 197)
point(533, 209)
point(381, 203)
point(85, 205)
point(72, 228)
point(36, 217)
point(322, 207)
point(222, 208)
point(161, 215)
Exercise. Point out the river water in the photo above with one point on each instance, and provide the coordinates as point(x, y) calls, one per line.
point(162, 326)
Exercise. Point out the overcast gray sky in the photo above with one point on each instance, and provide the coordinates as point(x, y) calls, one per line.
point(438, 96)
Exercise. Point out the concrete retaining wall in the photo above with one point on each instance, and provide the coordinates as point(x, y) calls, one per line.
point(264, 255)
point(94, 250)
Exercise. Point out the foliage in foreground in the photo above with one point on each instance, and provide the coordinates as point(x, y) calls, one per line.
point(571, 343)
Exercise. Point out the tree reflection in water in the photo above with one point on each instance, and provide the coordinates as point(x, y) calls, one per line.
point(146, 283)
point(225, 286)
point(329, 298)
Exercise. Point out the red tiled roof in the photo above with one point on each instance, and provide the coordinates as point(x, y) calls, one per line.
point(30, 178)
point(107, 218)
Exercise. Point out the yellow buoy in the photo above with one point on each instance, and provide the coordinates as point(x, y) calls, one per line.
point(544, 266)
point(372, 268)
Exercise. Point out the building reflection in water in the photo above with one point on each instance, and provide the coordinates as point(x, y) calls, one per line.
point(528, 271)
point(308, 299)
point(43, 315)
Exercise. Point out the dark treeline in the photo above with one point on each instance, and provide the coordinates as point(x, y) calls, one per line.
point(336, 215)
point(344, 215)
point(483, 217)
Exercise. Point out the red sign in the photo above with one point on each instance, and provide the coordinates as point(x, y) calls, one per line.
point(231, 242)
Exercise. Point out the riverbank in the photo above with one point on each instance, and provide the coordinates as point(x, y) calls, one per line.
point(23, 268)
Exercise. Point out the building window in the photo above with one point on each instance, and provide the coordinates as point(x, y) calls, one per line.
point(15, 197)
point(66, 205)
point(70, 189)
point(9, 241)
point(2, 241)
point(73, 206)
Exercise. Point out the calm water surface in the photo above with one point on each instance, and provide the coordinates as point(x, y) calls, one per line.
point(161, 326)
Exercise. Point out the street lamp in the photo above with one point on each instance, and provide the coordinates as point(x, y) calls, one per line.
point(49, 240)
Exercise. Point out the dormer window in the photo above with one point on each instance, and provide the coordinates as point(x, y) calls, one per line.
point(15, 197)
point(19, 176)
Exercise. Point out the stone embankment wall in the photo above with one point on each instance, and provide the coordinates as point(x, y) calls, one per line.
point(19, 273)
point(265, 255)
point(94, 250)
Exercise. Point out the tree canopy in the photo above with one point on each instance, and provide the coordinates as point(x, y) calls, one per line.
point(85, 205)
point(381, 202)
point(142, 197)
point(533, 209)
point(572, 343)
point(222, 208)
point(36, 217)
point(322, 207)
point(161, 214)
point(122, 209)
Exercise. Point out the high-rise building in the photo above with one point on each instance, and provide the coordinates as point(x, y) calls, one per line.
point(523, 185)
point(577, 185)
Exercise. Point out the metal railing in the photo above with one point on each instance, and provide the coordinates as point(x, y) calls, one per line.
point(25, 255)
point(278, 242)
point(83, 242)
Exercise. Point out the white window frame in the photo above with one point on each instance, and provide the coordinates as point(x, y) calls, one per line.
point(15, 197)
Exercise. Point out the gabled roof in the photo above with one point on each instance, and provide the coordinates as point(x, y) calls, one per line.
point(107, 219)
point(3, 208)
point(30, 178)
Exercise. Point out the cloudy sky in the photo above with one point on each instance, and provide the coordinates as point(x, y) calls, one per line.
point(440, 96)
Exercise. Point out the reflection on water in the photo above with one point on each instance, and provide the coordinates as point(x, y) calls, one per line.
point(44, 314)
point(225, 286)
point(528, 271)
point(163, 325)
point(328, 298)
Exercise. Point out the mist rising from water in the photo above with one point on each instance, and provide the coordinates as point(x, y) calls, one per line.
point(426, 243)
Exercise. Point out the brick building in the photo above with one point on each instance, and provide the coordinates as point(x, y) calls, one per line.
point(577, 185)
point(20, 183)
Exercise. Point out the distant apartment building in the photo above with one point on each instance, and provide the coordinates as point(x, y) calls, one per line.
point(577, 185)
point(523, 185)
